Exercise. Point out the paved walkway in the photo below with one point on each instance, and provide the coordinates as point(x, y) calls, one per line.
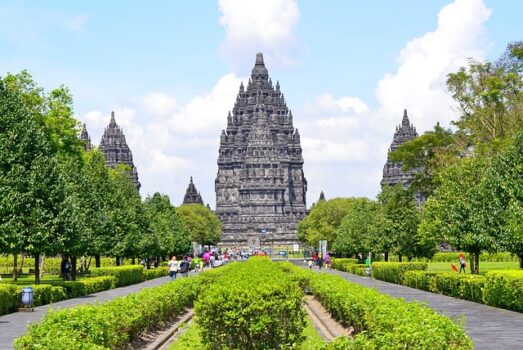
point(487, 326)
point(14, 325)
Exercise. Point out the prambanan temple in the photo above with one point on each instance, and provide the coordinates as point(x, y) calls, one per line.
point(192, 196)
point(260, 185)
point(114, 148)
point(393, 173)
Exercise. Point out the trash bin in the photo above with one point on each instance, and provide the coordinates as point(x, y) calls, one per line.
point(27, 296)
point(367, 271)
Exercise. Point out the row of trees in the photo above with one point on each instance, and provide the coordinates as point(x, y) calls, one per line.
point(472, 175)
point(56, 198)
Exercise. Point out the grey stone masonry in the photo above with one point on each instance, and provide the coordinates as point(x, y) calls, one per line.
point(116, 151)
point(260, 185)
point(86, 139)
point(393, 173)
point(192, 196)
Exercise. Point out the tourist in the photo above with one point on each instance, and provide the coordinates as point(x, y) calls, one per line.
point(185, 266)
point(310, 264)
point(462, 263)
point(320, 262)
point(173, 268)
point(327, 261)
point(66, 269)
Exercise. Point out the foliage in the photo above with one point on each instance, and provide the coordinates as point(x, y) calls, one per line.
point(360, 230)
point(394, 271)
point(7, 298)
point(399, 231)
point(454, 256)
point(155, 273)
point(86, 286)
point(380, 321)
point(234, 315)
point(504, 289)
point(125, 275)
point(113, 324)
point(324, 219)
point(201, 223)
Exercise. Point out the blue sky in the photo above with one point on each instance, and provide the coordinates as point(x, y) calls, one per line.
point(171, 70)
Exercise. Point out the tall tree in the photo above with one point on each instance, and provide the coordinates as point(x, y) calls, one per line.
point(202, 224)
point(31, 187)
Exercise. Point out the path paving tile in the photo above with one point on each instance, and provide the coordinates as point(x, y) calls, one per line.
point(488, 327)
point(14, 325)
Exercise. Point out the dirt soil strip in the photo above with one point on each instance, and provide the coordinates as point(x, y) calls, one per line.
point(157, 340)
point(322, 320)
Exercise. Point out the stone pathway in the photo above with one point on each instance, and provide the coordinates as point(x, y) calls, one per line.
point(487, 326)
point(14, 325)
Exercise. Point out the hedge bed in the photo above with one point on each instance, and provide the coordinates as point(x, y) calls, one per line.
point(393, 271)
point(251, 305)
point(113, 324)
point(125, 275)
point(379, 321)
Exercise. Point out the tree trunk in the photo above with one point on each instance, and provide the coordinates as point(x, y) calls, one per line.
point(386, 258)
point(88, 264)
point(520, 260)
point(117, 261)
point(15, 267)
point(37, 268)
point(133, 261)
point(474, 263)
point(41, 267)
point(98, 262)
point(73, 268)
point(400, 258)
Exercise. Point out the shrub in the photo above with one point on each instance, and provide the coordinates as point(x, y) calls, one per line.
point(492, 257)
point(125, 275)
point(393, 271)
point(504, 289)
point(338, 263)
point(419, 279)
point(87, 286)
point(252, 305)
point(8, 302)
point(113, 324)
point(356, 269)
point(463, 286)
point(380, 321)
point(155, 273)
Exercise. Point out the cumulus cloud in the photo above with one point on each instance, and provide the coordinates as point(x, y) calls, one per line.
point(345, 131)
point(252, 26)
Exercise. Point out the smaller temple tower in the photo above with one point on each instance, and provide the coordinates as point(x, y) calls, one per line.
point(393, 173)
point(192, 196)
point(116, 150)
point(84, 136)
point(322, 196)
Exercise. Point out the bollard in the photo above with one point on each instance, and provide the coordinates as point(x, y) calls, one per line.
point(367, 272)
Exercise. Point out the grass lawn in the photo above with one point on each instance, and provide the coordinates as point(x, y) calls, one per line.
point(25, 280)
point(191, 338)
point(483, 266)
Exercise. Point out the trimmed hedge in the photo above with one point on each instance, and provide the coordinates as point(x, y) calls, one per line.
point(504, 289)
point(394, 271)
point(113, 324)
point(155, 273)
point(419, 279)
point(338, 263)
point(492, 257)
point(125, 275)
point(87, 286)
point(380, 321)
point(251, 305)
point(7, 298)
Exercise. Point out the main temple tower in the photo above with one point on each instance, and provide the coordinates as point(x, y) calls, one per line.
point(260, 186)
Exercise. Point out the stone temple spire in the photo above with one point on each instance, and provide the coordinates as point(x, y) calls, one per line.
point(84, 136)
point(322, 196)
point(393, 173)
point(260, 185)
point(116, 151)
point(192, 196)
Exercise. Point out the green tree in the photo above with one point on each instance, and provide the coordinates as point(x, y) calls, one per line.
point(31, 187)
point(360, 230)
point(504, 186)
point(323, 221)
point(202, 224)
point(460, 213)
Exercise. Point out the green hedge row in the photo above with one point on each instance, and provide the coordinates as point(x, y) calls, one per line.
point(113, 324)
point(251, 305)
point(125, 275)
point(393, 271)
point(338, 263)
point(86, 286)
point(380, 321)
point(155, 273)
point(492, 257)
point(11, 296)
point(503, 288)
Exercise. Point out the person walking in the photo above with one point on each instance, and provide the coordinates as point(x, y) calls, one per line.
point(184, 266)
point(462, 263)
point(173, 268)
point(310, 264)
point(327, 261)
point(66, 269)
point(320, 262)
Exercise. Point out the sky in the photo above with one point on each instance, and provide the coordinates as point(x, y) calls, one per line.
point(171, 71)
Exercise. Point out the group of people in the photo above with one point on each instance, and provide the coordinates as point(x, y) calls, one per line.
point(319, 260)
point(179, 267)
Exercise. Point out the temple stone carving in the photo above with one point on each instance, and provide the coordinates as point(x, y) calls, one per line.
point(86, 139)
point(393, 173)
point(192, 196)
point(260, 185)
point(116, 151)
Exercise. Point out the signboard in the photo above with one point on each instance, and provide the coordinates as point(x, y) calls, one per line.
point(264, 231)
point(296, 247)
point(322, 249)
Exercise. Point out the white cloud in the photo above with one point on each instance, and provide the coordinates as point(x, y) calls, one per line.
point(355, 139)
point(159, 104)
point(253, 26)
